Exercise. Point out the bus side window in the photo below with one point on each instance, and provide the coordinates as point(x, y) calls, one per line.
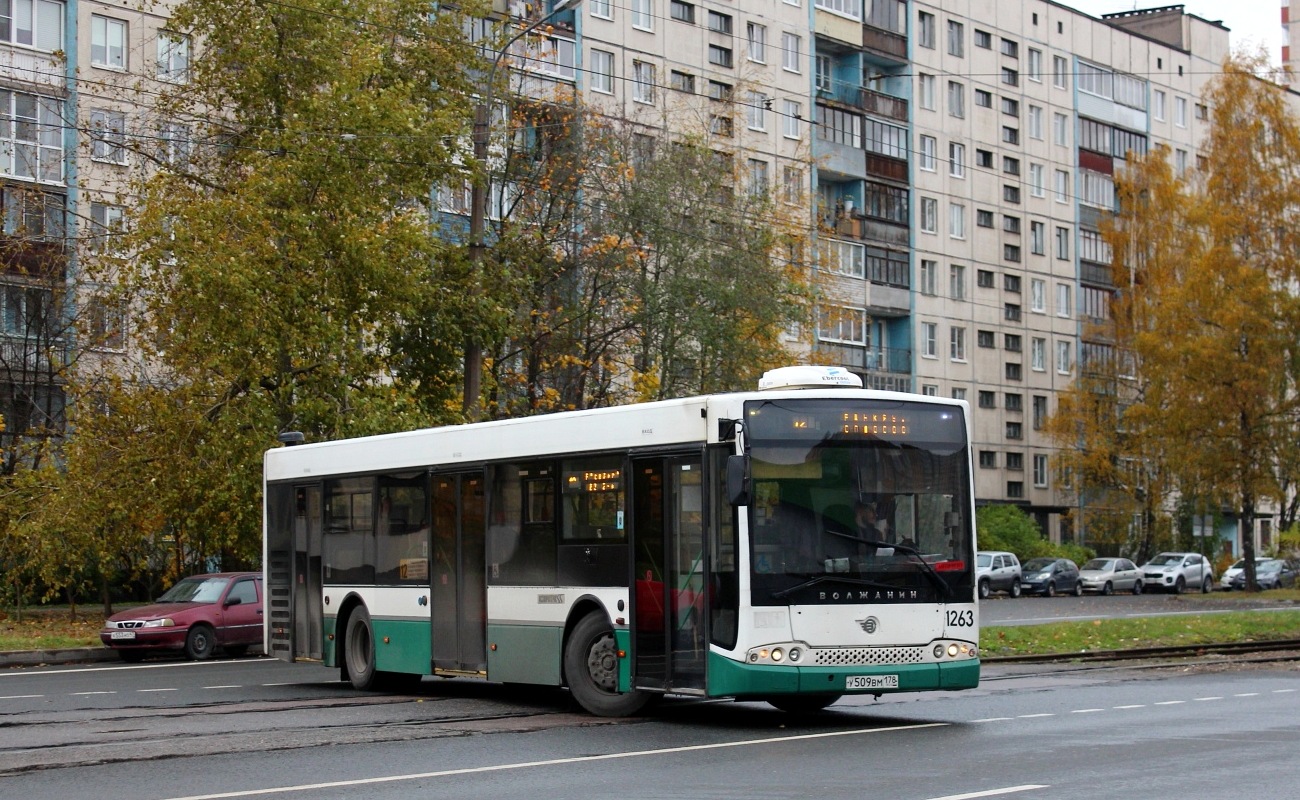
point(520, 531)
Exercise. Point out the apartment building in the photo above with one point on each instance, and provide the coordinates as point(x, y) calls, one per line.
point(74, 78)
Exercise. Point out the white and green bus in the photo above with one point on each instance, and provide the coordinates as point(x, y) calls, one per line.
point(794, 544)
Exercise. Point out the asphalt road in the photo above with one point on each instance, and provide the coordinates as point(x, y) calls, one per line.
point(260, 728)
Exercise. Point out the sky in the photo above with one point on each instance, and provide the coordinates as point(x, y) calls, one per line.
point(1252, 22)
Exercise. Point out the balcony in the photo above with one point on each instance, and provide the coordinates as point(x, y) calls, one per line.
point(33, 258)
point(882, 105)
point(1095, 274)
point(885, 42)
point(880, 362)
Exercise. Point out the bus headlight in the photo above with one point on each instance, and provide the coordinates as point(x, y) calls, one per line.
point(938, 651)
point(952, 651)
point(795, 654)
point(778, 654)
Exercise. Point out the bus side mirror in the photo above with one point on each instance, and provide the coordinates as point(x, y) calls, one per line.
point(738, 480)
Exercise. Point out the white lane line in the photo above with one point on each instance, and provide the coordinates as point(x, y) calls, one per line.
point(1087, 710)
point(1034, 716)
point(1125, 708)
point(227, 686)
point(994, 719)
point(1205, 699)
point(1247, 694)
point(157, 690)
point(1283, 691)
point(21, 696)
point(993, 792)
point(83, 694)
point(310, 787)
point(209, 663)
point(1170, 703)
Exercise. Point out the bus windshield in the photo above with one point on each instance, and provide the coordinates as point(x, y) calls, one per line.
point(861, 500)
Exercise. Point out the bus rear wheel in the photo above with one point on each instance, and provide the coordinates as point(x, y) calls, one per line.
point(591, 670)
point(803, 703)
point(359, 651)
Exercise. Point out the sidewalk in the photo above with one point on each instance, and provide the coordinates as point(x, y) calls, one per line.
point(70, 655)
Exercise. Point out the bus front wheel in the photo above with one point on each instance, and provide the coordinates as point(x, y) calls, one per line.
point(591, 670)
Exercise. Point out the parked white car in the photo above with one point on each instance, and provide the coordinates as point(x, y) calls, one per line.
point(1225, 581)
point(997, 571)
point(1178, 572)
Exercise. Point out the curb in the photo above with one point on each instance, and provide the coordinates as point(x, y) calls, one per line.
point(71, 655)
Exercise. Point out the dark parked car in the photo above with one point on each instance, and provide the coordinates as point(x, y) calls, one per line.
point(196, 616)
point(1051, 576)
point(1271, 574)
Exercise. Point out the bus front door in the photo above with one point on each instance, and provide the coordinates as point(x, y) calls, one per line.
point(670, 608)
point(459, 589)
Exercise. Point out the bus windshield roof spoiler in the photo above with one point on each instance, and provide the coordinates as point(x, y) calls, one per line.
point(809, 377)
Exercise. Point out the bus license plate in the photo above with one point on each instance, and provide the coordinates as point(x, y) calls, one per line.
point(871, 682)
point(122, 635)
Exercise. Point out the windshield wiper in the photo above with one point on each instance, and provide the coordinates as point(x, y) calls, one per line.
point(926, 568)
point(813, 581)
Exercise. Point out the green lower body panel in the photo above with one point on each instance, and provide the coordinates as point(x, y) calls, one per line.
point(729, 678)
point(525, 653)
point(328, 650)
point(403, 645)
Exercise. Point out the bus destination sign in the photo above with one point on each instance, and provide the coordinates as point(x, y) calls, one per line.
point(591, 481)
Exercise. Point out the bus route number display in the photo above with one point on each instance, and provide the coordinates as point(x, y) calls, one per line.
point(592, 481)
point(853, 423)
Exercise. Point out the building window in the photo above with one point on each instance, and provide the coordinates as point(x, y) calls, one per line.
point(839, 126)
point(1061, 129)
point(1034, 65)
point(1011, 312)
point(1010, 77)
point(957, 344)
point(886, 202)
point(1015, 489)
point(1011, 252)
point(1011, 343)
point(841, 324)
point(983, 218)
point(983, 98)
point(957, 282)
point(926, 153)
point(956, 39)
point(36, 24)
point(1063, 360)
point(925, 30)
point(756, 113)
point(958, 393)
point(927, 279)
point(602, 71)
point(720, 23)
point(720, 56)
point(1040, 411)
point(1063, 244)
point(791, 52)
point(885, 139)
point(602, 8)
point(791, 119)
point(983, 158)
point(643, 14)
point(1010, 135)
point(1013, 372)
point(957, 221)
point(846, 258)
point(643, 87)
point(1016, 461)
point(758, 178)
point(1035, 121)
point(1062, 180)
point(1037, 295)
point(105, 220)
point(1040, 471)
point(929, 339)
point(925, 91)
point(1038, 354)
point(682, 12)
point(929, 215)
point(1064, 308)
point(1010, 107)
point(1037, 243)
point(682, 82)
point(1014, 402)
point(988, 399)
point(720, 91)
point(1060, 72)
point(757, 42)
point(957, 159)
point(1158, 105)
point(107, 41)
point(984, 278)
point(791, 184)
point(108, 136)
point(988, 459)
point(985, 338)
point(956, 99)
point(1010, 193)
point(1010, 49)
point(983, 39)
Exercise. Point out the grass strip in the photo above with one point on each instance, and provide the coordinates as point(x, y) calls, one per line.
point(1122, 634)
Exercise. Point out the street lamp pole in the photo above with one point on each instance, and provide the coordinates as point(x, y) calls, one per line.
point(480, 190)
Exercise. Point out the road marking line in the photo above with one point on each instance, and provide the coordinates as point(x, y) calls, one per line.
point(1087, 710)
point(228, 686)
point(1034, 716)
point(1204, 699)
point(157, 690)
point(1124, 708)
point(993, 792)
point(21, 696)
point(1283, 691)
point(1247, 694)
point(1170, 703)
point(28, 673)
point(83, 694)
point(994, 719)
point(309, 787)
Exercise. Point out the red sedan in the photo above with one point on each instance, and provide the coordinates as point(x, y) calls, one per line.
point(196, 616)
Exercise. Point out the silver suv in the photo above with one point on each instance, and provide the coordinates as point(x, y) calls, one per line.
point(997, 571)
point(1178, 572)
